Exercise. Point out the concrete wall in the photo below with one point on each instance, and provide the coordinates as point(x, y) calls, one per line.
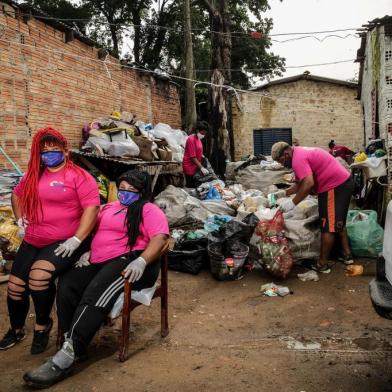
point(370, 83)
point(316, 111)
point(45, 81)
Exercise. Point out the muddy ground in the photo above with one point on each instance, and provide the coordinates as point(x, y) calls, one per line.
point(225, 336)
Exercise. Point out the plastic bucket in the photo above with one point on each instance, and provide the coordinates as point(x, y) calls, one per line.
point(219, 268)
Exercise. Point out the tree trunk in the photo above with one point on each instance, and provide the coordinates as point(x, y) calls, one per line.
point(219, 146)
point(136, 20)
point(190, 100)
point(113, 33)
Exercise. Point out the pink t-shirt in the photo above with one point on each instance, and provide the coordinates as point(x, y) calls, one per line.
point(193, 149)
point(328, 173)
point(64, 195)
point(111, 239)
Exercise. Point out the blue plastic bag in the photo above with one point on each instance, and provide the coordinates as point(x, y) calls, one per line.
point(213, 194)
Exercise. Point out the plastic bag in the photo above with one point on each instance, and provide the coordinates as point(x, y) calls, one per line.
point(227, 259)
point(189, 256)
point(230, 231)
point(144, 296)
point(273, 246)
point(9, 238)
point(200, 178)
point(123, 148)
point(365, 234)
point(213, 194)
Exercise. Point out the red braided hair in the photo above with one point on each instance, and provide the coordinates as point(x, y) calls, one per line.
point(29, 200)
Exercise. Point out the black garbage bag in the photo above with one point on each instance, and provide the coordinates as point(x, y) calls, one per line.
point(251, 220)
point(232, 231)
point(189, 256)
point(231, 240)
point(200, 178)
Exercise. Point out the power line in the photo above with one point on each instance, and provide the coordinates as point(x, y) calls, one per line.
point(227, 87)
point(288, 66)
point(232, 33)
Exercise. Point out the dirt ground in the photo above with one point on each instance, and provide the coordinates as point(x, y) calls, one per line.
point(225, 336)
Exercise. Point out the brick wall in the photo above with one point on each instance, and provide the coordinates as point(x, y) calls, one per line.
point(45, 81)
point(316, 111)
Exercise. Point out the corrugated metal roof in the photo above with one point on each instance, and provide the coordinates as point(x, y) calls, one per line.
point(307, 76)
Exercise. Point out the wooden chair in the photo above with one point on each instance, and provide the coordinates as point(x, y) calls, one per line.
point(129, 305)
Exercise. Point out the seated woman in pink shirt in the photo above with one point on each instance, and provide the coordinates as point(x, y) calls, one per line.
point(129, 237)
point(193, 154)
point(315, 169)
point(56, 205)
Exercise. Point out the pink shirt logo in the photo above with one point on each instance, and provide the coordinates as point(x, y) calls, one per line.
point(57, 184)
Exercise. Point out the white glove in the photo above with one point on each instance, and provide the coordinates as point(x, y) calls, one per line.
point(204, 171)
point(22, 225)
point(134, 270)
point(68, 247)
point(287, 206)
point(84, 260)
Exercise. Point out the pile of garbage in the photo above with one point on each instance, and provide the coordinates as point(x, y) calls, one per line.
point(8, 180)
point(9, 240)
point(122, 135)
point(204, 219)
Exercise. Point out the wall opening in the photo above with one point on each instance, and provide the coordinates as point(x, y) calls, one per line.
point(264, 138)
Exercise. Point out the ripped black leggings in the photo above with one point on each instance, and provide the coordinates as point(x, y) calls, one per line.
point(34, 272)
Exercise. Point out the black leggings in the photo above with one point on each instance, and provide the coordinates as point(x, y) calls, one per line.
point(34, 272)
point(86, 295)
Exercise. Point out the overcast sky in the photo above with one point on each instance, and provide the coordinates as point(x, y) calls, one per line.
point(319, 15)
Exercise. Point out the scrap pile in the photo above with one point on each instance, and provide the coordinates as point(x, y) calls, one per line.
point(122, 135)
point(231, 223)
point(9, 239)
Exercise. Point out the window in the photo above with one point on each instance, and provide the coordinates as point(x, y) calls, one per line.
point(21, 38)
point(388, 80)
point(388, 55)
point(264, 138)
point(388, 29)
point(389, 104)
point(389, 128)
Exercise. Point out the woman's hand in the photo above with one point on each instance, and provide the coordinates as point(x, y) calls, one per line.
point(135, 269)
point(68, 247)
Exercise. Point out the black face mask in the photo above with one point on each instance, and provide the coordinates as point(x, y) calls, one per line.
point(288, 163)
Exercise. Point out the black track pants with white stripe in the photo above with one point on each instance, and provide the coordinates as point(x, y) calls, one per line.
point(86, 295)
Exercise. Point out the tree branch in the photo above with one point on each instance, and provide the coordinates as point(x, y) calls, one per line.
point(209, 6)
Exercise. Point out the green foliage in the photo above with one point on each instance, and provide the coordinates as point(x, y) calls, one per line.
point(64, 9)
point(130, 27)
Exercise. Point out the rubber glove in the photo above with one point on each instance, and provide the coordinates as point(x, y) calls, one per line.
point(68, 247)
point(204, 171)
point(22, 224)
point(287, 206)
point(84, 260)
point(134, 270)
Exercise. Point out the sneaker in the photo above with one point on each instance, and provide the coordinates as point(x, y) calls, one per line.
point(323, 269)
point(348, 260)
point(11, 338)
point(46, 375)
point(41, 339)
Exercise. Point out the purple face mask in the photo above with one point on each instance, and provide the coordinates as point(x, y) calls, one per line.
point(52, 158)
point(126, 198)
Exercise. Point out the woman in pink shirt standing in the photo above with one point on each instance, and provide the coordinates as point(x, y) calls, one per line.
point(130, 235)
point(317, 170)
point(56, 205)
point(193, 154)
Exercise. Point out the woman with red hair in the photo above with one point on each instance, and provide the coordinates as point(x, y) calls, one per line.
point(56, 205)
